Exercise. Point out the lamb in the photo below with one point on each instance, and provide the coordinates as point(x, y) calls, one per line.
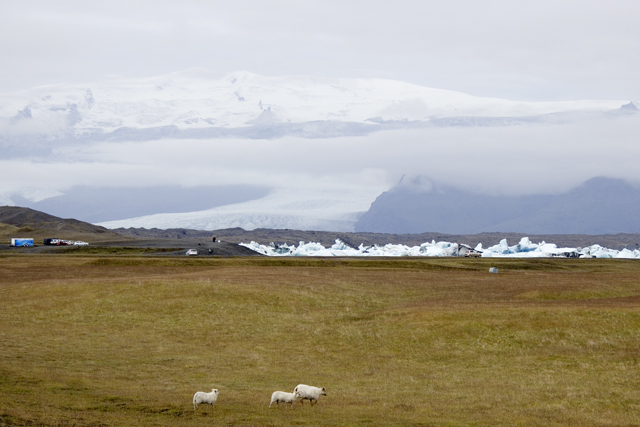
point(311, 393)
point(206, 398)
point(282, 396)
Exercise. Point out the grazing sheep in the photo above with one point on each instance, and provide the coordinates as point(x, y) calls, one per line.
point(311, 393)
point(282, 396)
point(206, 398)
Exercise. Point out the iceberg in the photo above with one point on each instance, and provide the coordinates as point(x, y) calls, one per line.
point(524, 249)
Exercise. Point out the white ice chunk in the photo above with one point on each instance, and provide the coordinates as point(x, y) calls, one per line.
point(524, 249)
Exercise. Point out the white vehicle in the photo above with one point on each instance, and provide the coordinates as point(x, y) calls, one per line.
point(80, 243)
point(191, 252)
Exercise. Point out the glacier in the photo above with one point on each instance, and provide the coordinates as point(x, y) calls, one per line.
point(292, 208)
point(195, 103)
point(195, 127)
point(524, 249)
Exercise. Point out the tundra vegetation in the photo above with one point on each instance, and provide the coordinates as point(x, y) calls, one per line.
point(104, 340)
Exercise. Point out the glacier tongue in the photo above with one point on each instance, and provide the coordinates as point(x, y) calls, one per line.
point(293, 208)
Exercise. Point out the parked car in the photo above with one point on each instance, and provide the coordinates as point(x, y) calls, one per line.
point(473, 254)
point(192, 252)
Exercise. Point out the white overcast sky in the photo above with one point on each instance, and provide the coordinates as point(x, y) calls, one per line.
point(524, 50)
point(534, 50)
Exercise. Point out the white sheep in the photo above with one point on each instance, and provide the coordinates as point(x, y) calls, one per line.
point(282, 396)
point(206, 398)
point(311, 393)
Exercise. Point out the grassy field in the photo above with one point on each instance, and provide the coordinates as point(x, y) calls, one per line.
point(127, 340)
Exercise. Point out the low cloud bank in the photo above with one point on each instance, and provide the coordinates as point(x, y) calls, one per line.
point(520, 159)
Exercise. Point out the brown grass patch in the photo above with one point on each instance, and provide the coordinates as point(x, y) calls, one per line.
point(106, 341)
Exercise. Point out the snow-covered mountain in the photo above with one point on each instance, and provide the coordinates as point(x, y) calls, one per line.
point(193, 129)
point(194, 103)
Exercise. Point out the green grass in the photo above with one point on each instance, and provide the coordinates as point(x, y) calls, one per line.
point(111, 250)
point(115, 341)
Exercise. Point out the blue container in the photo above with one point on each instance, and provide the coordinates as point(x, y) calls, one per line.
point(22, 242)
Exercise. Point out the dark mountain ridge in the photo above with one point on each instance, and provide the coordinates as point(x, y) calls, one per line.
point(25, 217)
point(598, 206)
